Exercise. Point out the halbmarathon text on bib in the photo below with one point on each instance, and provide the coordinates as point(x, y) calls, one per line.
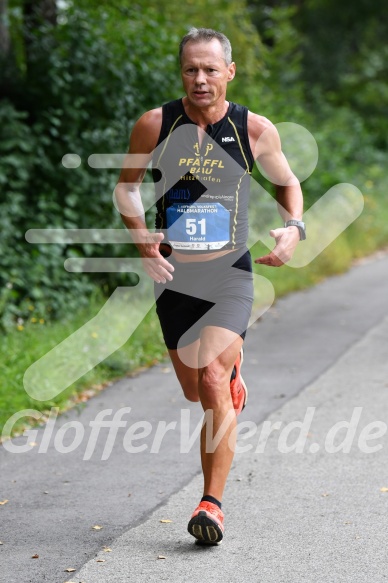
point(198, 226)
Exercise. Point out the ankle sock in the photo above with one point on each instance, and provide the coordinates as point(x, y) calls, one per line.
point(211, 499)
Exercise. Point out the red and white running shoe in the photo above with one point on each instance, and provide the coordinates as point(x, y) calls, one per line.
point(207, 523)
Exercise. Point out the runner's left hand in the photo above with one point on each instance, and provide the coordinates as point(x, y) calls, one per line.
point(286, 240)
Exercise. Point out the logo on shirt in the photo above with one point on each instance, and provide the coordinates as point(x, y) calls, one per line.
point(178, 194)
point(228, 139)
point(197, 149)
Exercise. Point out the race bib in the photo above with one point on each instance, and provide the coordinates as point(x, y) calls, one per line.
point(198, 226)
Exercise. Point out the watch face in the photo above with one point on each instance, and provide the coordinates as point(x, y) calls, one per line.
point(301, 227)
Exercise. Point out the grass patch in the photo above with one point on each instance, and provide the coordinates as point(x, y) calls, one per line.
point(21, 348)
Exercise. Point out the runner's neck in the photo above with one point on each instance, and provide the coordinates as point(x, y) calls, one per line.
point(207, 116)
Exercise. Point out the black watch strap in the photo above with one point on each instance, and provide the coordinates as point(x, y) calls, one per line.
point(301, 227)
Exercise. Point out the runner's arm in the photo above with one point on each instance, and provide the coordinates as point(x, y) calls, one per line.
point(268, 153)
point(143, 141)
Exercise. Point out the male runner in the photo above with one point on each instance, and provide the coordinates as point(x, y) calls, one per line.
point(203, 149)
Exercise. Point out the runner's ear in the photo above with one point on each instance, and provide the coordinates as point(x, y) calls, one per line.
point(232, 71)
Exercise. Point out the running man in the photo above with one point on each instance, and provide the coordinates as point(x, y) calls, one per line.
point(203, 149)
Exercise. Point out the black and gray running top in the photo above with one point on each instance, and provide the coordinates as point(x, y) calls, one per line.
point(202, 186)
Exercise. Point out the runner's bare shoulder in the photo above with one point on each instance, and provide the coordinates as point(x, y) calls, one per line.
point(260, 131)
point(146, 131)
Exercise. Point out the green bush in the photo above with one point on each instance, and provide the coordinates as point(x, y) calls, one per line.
point(81, 93)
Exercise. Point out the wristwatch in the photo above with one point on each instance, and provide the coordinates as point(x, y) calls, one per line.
point(301, 227)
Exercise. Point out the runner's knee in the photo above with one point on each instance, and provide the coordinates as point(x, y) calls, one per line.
point(214, 382)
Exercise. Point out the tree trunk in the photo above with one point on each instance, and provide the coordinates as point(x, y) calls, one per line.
point(35, 13)
point(4, 34)
point(37, 10)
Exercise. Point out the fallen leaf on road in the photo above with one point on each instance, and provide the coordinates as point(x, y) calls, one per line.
point(36, 556)
point(70, 570)
point(1, 543)
point(383, 489)
point(32, 443)
point(97, 527)
point(3, 502)
point(107, 550)
point(166, 520)
point(325, 494)
point(100, 560)
point(161, 557)
point(166, 369)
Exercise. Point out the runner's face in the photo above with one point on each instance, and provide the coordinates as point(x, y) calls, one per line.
point(205, 74)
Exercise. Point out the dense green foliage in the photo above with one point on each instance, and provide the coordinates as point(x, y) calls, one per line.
point(75, 80)
point(80, 93)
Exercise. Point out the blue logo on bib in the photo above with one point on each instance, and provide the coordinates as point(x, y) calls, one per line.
point(198, 226)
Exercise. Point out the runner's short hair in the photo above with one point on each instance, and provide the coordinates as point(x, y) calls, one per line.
point(207, 34)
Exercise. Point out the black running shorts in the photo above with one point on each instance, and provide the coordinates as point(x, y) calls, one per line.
point(218, 292)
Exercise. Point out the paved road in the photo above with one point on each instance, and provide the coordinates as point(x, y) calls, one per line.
point(292, 517)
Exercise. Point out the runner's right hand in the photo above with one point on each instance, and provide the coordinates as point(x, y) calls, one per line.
point(155, 265)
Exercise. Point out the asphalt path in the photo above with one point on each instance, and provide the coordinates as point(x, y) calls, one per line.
point(321, 348)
